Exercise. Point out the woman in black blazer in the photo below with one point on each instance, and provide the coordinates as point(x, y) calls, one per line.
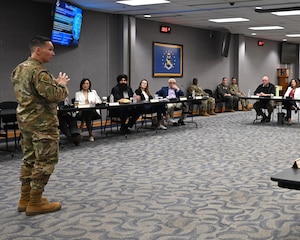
point(143, 94)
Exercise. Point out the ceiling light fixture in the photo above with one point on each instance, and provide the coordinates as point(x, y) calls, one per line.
point(266, 28)
point(295, 35)
point(287, 13)
point(147, 16)
point(271, 10)
point(228, 20)
point(142, 2)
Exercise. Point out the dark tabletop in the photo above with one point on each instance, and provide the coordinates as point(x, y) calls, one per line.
point(288, 178)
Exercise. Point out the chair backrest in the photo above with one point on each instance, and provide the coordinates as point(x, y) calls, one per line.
point(209, 92)
point(217, 95)
point(9, 105)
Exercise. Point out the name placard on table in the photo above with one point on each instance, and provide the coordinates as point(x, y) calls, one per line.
point(84, 106)
point(113, 104)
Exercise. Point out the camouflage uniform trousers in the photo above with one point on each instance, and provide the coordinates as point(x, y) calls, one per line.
point(244, 102)
point(40, 155)
point(208, 105)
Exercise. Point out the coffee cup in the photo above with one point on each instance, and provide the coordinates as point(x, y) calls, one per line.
point(76, 103)
point(104, 99)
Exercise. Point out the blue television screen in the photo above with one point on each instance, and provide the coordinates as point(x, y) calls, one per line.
point(66, 24)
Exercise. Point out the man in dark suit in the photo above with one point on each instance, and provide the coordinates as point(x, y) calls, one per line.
point(120, 92)
point(171, 92)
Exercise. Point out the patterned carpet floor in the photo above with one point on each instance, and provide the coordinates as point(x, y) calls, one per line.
point(210, 182)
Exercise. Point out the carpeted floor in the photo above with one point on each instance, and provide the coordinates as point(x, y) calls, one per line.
point(210, 182)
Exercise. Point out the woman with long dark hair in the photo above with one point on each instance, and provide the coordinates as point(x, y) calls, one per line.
point(293, 92)
point(143, 93)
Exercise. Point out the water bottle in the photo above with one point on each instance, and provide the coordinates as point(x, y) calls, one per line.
point(66, 103)
point(134, 99)
point(111, 98)
point(277, 91)
point(249, 93)
point(193, 94)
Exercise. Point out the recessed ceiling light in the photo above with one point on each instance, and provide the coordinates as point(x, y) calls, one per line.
point(266, 28)
point(293, 35)
point(258, 7)
point(226, 20)
point(253, 34)
point(284, 40)
point(287, 13)
point(147, 16)
point(142, 2)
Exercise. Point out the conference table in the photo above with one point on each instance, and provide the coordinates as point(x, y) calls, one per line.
point(277, 99)
point(268, 98)
point(288, 178)
point(153, 102)
point(116, 105)
point(138, 104)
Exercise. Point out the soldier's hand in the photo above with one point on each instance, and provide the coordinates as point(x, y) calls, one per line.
point(62, 78)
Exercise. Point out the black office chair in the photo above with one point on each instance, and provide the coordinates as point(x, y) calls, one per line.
point(113, 119)
point(218, 101)
point(9, 122)
point(148, 115)
point(192, 104)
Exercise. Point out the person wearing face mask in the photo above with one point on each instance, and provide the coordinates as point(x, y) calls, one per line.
point(120, 92)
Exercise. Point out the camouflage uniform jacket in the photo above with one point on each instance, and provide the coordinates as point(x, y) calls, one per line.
point(37, 95)
point(198, 90)
point(233, 89)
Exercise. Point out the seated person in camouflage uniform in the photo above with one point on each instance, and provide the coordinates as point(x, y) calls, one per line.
point(225, 96)
point(208, 106)
point(235, 91)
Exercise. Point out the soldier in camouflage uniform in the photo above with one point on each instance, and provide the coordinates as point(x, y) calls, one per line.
point(224, 95)
point(234, 90)
point(38, 93)
point(208, 106)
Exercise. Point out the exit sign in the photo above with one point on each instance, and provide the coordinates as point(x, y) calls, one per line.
point(165, 29)
point(260, 43)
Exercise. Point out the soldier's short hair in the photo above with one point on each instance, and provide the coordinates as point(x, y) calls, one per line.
point(37, 41)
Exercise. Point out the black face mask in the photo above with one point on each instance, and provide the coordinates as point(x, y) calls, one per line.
point(123, 86)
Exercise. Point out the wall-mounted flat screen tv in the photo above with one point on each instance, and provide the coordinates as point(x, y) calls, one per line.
point(66, 24)
point(289, 52)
